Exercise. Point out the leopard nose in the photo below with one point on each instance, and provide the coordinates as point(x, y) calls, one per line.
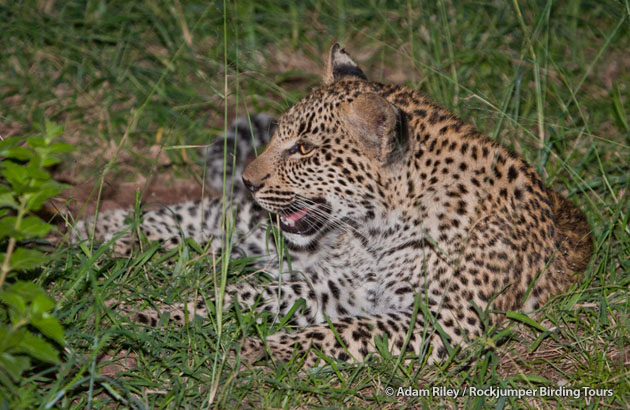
point(252, 187)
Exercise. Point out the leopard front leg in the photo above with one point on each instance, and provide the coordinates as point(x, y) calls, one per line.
point(272, 298)
point(275, 298)
point(353, 338)
point(348, 339)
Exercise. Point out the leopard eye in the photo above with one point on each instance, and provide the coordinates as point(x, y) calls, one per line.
point(302, 147)
point(305, 148)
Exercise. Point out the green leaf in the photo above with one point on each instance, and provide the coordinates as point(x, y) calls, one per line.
point(14, 365)
point(13, 301)
point(16, 175)
point(19, 153)
point(36, 141)
point(33, 227)
point(23, 296)
point(53, 130)
point(25, 259)
point(49, 161)
point(525, 319)
point(42, 304)
point(7, 200)
point(38, 348)
point(7, 144)
point(34, 169)
point(47, 189)
point(50, 327)
point(47, 153)
point(27, 289)
point(7, 226)
point(9, 338)
point(35, 200)
point(60, 147)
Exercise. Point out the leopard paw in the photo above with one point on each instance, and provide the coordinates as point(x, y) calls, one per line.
point(252, 350)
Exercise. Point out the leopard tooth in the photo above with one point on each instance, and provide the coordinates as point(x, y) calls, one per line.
point(287, 221)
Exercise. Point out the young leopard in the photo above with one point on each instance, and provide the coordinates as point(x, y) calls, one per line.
point(400, 217)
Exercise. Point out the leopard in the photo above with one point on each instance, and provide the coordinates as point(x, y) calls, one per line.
point(403, 225)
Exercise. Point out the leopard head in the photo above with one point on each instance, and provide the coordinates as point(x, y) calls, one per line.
point(329, 161)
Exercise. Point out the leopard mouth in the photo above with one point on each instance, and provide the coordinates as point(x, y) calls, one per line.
point(304, 220)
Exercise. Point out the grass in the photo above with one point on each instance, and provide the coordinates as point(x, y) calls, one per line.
point(547, 79)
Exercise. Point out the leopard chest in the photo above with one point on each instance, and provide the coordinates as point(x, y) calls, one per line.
point(371, 274)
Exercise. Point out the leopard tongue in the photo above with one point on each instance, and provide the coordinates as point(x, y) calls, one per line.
point(291, 219)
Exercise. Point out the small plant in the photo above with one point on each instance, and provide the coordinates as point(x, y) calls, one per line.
point(26, 324)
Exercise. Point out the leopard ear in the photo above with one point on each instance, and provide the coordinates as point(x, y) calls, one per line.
point(340, 66)
point(377, 124)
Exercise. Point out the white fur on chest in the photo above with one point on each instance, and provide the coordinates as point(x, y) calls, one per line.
point(370, 268)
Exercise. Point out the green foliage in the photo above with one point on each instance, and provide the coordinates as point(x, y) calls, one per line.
point(27, 327)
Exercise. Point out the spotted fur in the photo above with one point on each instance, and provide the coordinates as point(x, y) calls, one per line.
point(401, 218)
